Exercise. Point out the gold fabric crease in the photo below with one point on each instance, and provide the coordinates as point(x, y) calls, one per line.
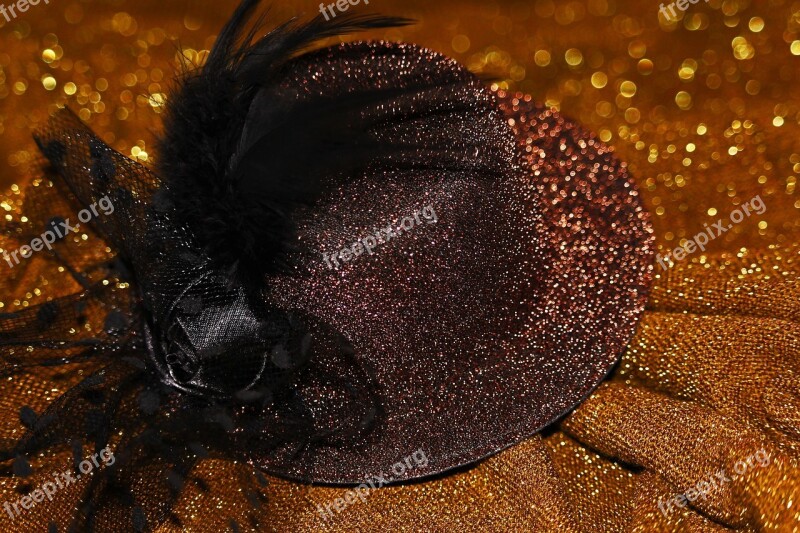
point(706, 114)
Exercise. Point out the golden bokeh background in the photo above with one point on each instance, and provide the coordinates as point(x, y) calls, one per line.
point(705, 110)
point(706, 113)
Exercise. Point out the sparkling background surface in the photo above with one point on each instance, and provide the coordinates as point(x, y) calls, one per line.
point(705, 112)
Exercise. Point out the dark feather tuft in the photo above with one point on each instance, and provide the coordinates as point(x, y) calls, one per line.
point(240, 210)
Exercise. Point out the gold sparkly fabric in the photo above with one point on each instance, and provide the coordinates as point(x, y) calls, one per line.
point(706, 113)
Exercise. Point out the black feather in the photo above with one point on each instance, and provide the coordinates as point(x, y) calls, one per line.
point(237, 203)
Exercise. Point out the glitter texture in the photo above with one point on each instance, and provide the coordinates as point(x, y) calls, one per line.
point(490, 324)
point(713, 121)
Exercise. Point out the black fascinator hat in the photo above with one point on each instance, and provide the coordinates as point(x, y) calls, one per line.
point(341, 257)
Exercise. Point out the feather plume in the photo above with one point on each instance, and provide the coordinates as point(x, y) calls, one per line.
point(236, 196)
